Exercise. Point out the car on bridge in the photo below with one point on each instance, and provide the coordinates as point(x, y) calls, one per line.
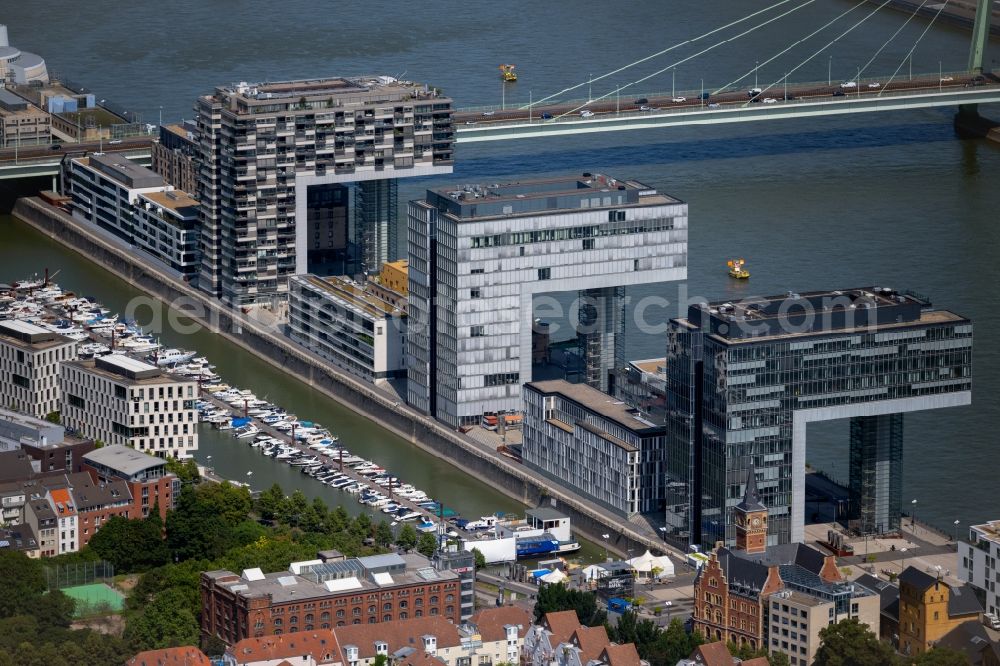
point(641, 101)
point(645, 108)
point(874, 84)
point(769, 100)
point(849, 84)
point(488, 113)
point(586, 113)
point(55, 146)
point(679, 99)
point(546, 116)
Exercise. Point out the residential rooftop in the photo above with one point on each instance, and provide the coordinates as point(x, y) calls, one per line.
point(369, 297)
point(120, 368)
point(652, 366)
point(28, 336)
point(321, 93)
point(988, 531)
point(795, 315)
point(123, 459)
point(600, 403)
point(477, 202)
point(123, 170)
point(176, 200)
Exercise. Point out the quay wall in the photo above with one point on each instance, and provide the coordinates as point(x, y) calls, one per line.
point(271, 346)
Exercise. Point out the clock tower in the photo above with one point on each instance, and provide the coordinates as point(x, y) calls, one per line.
point(750, 517)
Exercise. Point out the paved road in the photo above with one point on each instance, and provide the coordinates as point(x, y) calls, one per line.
point(728, 99)
point(34, 152)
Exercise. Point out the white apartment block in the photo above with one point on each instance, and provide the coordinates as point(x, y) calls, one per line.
point(359, 327)
point(979, 564)
point(119, 400)
point(29, 367)
point(275, 160)
point(478, 257)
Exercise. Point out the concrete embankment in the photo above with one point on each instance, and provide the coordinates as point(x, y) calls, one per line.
point(487, 466)
point(971, 125)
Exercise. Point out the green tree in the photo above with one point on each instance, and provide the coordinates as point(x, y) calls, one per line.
point(270, 502)
point(132, 545)
point(186, 470)
point(167, 621)
point(744, 652)
point(942, 656)
point(23, 581)
point(778, 659)
point(553, 598)
point(427, 544)
point(383, 534)
point(407, 537)
point(53, 610)
point(850, 643)
point(53, 417)
point(480, 558)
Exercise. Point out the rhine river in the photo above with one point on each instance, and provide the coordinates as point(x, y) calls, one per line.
point(888, 200)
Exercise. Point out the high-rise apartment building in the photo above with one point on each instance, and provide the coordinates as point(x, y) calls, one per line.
point(745, 379)
point(270, 153)
point(478, 257)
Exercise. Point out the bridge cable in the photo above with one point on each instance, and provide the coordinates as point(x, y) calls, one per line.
point(655, 55)
point(824, 48)
point(690, 57)
point(790, 47)
point(894, 35)
point(914, 47)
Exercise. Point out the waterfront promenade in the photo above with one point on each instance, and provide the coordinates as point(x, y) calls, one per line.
point(485, 465)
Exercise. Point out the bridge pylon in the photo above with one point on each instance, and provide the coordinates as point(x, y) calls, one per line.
point(980, 35)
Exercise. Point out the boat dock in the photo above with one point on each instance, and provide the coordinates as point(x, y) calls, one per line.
point(332, 458)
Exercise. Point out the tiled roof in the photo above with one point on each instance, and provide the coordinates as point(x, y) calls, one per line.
point(322, 645)
point(916, 578)
point(712, 654)
point(420, 658)
point(591, 641)
point(181, 656)
point(963, 601)
point(562, 624)
point(398, 634)
point(491, 622)
point(621, 655)
point(756, 661)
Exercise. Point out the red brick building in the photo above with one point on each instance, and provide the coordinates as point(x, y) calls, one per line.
point(146, 476)
point(326, 594)
point(732, 588)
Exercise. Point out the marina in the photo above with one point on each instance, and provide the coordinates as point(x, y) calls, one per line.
point(273, 432)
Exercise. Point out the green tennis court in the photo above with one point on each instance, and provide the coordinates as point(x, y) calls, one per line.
point(94, 598)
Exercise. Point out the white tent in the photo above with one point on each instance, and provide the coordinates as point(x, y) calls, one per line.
point(645, 563)
point(556, 576)
point(593, 572)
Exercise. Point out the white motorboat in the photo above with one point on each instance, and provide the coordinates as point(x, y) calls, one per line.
point(172, 356)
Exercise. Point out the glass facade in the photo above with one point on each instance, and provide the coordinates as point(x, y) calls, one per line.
point(732, 401)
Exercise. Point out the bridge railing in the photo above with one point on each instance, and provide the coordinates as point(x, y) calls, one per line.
point(743, 87)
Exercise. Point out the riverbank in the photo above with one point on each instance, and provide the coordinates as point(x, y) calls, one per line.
point(960, 13)
point(271, 347)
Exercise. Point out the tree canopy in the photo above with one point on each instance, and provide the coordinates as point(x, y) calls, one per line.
point(850, 643)
point(554, 598)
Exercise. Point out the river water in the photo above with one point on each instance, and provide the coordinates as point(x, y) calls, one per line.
point(890, 200)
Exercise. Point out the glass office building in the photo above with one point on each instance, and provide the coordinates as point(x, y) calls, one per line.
point(745, 379)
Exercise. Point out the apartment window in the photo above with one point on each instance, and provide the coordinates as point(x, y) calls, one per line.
point(474, 293)
point(477, 331)
point(544, 273)
point(588, 243)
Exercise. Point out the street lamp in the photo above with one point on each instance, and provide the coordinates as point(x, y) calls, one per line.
point(829, 72)
point(605, 537)
point(673, 82)
point(903, 565)
point(956, 532)
point(663, 532)
point(913, 516)
point(756, 64)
